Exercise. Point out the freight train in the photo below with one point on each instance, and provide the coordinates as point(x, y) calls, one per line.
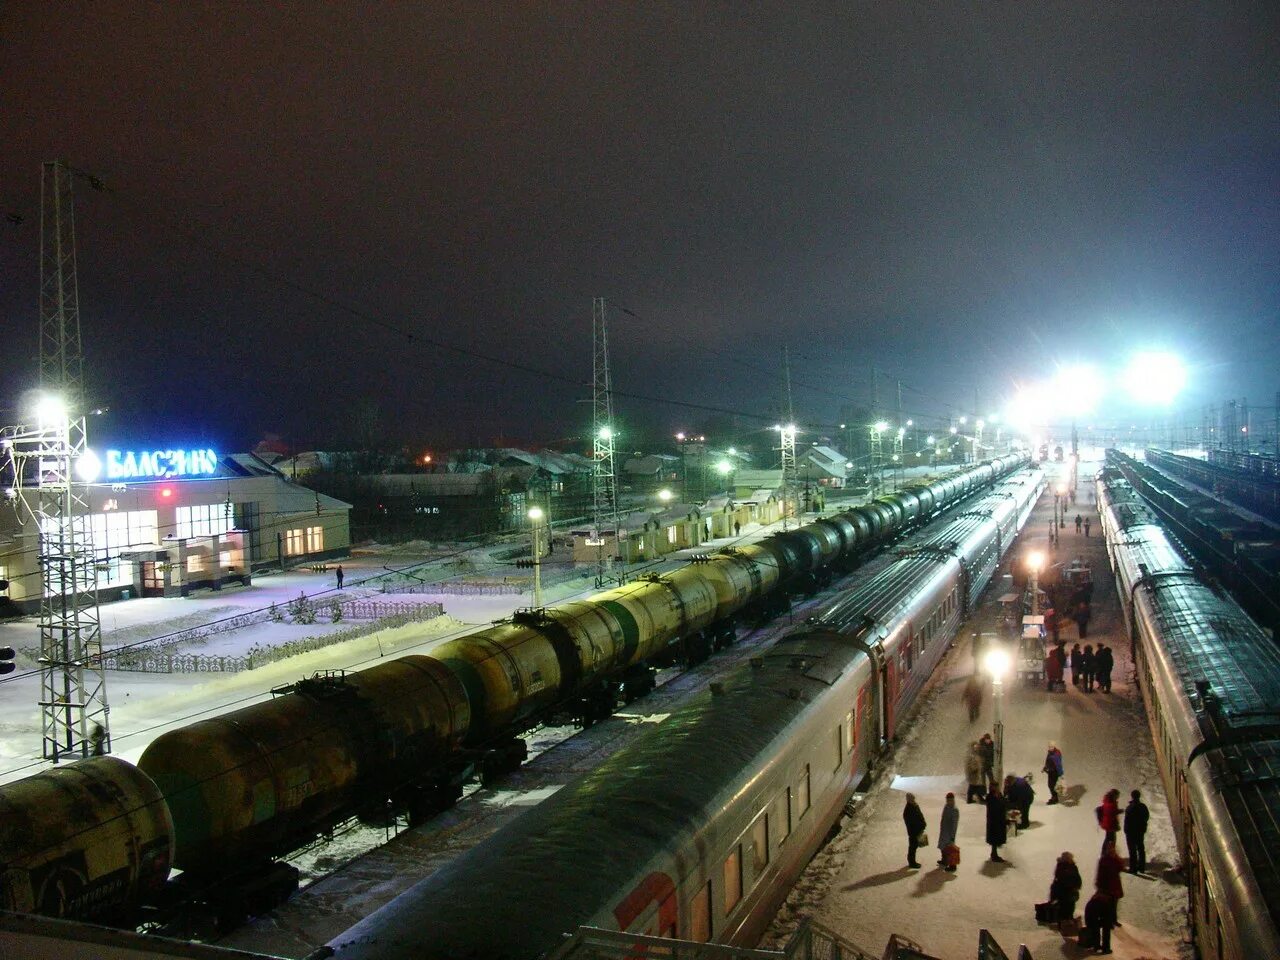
point(222, 799)
point(1210, 677)
point(699, 829)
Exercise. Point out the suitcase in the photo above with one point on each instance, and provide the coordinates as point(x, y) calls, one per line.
point(1069, 927)
point(1086, 938)
point(1047, 912)
point(951, 855)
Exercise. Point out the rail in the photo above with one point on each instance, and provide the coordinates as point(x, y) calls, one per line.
point(811, 941)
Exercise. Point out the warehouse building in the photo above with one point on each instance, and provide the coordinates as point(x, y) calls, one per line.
point(166, 522)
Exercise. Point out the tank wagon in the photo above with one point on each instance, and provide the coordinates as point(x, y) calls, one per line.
point(248, 787)
point(1210, 677)
point(699, 829)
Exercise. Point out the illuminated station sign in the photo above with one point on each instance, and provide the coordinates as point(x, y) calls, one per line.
point(160, 464)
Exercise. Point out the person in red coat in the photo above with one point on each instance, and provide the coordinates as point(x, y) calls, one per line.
point(1107, 879)
point(1109, 817)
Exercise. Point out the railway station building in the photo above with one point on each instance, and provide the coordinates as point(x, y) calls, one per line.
point(166, 522)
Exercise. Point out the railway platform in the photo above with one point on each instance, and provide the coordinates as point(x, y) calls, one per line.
point(860, 886)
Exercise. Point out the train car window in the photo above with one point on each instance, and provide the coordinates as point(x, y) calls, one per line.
point(839, 744)
point(786, 820)
point(802, 793)
point(760, 844)
point(700, 915)
point(732, 879)
point(851, 728)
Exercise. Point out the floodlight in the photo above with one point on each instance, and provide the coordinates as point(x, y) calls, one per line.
point(535, 513)
point(1035, 561)
point(50, 408)
point(1154, 379)
point(997, 663)
point(664, 495)
point(724, 467)
point(606, 433)
point(88, 466)
point(881, 426)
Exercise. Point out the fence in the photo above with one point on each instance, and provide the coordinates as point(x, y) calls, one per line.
point(462, 588)
point(157, 660)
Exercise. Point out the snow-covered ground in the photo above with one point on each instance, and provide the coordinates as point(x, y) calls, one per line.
point(860, 886)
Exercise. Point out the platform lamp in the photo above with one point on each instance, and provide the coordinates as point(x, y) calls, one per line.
point(535, 523)
point(997, 664)
point(1062, 495)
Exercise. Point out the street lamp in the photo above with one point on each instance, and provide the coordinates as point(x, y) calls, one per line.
point(997, 664)
point(1034, 562)
point(1062, 495)
point(665, 495)
point(535, 522)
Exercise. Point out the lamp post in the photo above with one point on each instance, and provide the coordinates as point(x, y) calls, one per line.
point(1033, 564)
point(535, 523)
point(997, 664)
point(1062, 495)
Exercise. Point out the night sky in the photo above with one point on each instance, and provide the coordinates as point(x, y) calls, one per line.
point(309, 201)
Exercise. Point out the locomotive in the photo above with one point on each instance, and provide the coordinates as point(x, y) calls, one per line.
point(1210, 678)
point(699, 829)
point(225, 797)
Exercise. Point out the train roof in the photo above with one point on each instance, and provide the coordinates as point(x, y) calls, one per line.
point(615, 822)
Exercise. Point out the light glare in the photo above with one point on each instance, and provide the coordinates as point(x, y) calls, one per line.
point(1154, 379)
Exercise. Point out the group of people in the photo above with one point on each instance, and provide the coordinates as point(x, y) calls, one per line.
point(1089, 667)
point(1016, 794)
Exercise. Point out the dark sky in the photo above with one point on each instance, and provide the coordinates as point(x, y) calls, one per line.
point(963, 194)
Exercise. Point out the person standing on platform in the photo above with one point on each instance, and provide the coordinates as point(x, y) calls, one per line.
point(1082, 619)
point(974, 775)
point(1079, 522)
point(1086, 528)
point(947, 829)
point(1104, 662)
point(987, 750)
point(1086, 669)
point(973, 696)
point(338, 572)
point(1054, 769)
point(1108, 813)
point(1065, 889)
point(915, 822)
point(1107, 881)
point(1136, 818)
point(997, 824)
point(1099, 918)
point(1075, 664)
point(1053, 667)
point(1019, 796)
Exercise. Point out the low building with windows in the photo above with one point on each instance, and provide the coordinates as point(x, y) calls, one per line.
point(165, 523)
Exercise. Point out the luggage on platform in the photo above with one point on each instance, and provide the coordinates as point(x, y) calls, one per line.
point(1087, 938)
point(951, 855)
point(1047, 912)
point(1069, 927)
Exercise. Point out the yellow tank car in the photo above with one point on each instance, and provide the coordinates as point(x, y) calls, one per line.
point(654, 611)
point(260, 781)
point(85, 840)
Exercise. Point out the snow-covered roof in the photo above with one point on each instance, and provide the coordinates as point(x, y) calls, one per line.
point(649, 465)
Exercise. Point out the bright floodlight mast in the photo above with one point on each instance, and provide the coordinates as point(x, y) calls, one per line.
point(536, 517)
point(604, 478)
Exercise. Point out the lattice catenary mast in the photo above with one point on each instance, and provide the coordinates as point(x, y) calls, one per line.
point(604, 482)
point(73, 690)
point(787, 443)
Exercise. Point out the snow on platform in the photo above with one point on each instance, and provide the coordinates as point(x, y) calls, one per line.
point(860, 886)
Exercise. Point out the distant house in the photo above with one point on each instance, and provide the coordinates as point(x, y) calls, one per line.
point(823, 465)
point(650, 472)
point(642, 535)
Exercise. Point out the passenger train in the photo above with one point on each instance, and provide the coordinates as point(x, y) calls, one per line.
point(223, 798)
point(1210, 678)
point(699, 829)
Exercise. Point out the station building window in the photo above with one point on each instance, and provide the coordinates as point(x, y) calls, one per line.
point(293, 543)
point(113, 533)
point(315, 539)
point(203, 520)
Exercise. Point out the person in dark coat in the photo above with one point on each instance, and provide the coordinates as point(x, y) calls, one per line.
point(987, 750)
point(972, 696)
point(1107, 879)
point(1103, 663)
point(997, 825)
point(1065, 889)
point(1075, 664)
point(1086, 527)
point(1054, 769)
point(1136, 818)
point(1082, 619)
point(915, 822)
point(1019, 795)
point(1079, 521)
point(1099, 918)
point(338, 572)
point(1086, 669)
point(947, 829)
